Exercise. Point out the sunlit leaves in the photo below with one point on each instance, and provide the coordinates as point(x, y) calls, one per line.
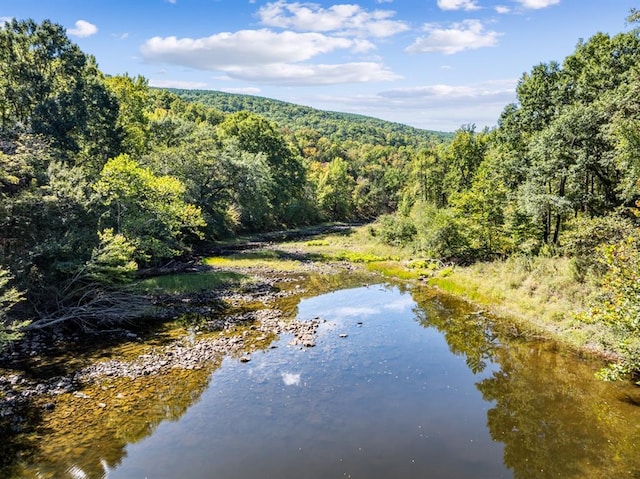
point(148, 210)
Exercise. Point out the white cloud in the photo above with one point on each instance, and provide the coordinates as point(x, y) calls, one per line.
point(446, 94)
point(466, 35)
point(296, 74)
point(345, 19)
point(4, 20)
point(83, 29)
point(502, 9)
point(242, 90)
point(537, 4)
point(434, 107)
point(187, 85)
point(245, 47)
point(458, 5)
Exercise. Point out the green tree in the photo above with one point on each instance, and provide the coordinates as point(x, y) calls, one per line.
point(148, 210)
point(133, 105)
point(335, 191)
point(9, 297)
point(49, 87)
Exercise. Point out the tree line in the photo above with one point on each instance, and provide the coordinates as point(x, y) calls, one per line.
point(103, 175)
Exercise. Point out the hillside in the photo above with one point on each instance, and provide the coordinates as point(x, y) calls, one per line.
point(333, 125)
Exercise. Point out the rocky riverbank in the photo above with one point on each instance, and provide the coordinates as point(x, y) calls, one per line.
point(222, 325)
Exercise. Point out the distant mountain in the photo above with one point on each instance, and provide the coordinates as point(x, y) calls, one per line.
point(333, 125)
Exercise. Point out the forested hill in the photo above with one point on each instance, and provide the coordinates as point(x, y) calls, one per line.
point(336, 126)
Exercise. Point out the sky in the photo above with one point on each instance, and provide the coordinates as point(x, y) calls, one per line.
point(432, 64)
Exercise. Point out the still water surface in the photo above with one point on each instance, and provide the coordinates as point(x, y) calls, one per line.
point(402, 383)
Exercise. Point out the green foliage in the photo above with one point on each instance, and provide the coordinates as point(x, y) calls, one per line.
point(584, 235)
point(440, 234)
point(148, 210)
point(335, 190)
point(397, 230)
point(9, 297)
point(619, 304)
point(337, 127)
point(112, 261)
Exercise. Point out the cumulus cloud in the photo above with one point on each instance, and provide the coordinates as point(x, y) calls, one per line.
point(466, 35)
point(458, 5)
point(267, 57)
point(502, 9)
point(187, 85)
point(347, 19)
point(313, 74)
point(245, 47)
point(83, 29)
point(537, 4)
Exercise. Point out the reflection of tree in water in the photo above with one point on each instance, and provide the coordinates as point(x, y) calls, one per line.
point(89, 434)
point(556, 420)
point(467, 332)
point(553, 417)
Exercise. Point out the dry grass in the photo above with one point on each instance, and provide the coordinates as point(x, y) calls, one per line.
point(540, 294)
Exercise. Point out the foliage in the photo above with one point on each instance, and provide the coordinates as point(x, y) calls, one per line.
point(395, 230)
point(584, 235)
point(619, 304)
point(148, 210)
point(337, 127)
point(9, 297)
point(112, 261)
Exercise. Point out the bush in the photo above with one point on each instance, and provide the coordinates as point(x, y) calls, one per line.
point(619, 305)
point(439, 234)
point(583, 237)
point(396, 230)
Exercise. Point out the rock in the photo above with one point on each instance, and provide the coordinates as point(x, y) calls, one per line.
point(245, 359)
point(344, 335)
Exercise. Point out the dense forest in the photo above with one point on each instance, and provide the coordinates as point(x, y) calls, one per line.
point(102, 176)
point(334, 126)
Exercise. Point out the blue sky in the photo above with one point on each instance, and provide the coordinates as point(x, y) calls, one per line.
point(434, 64)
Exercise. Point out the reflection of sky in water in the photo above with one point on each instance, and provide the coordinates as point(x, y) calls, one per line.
point(399, 304)
point(290, 379)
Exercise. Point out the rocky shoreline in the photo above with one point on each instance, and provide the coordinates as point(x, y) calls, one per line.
point(220, 311)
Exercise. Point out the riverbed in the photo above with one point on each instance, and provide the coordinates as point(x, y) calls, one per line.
point(398, 381)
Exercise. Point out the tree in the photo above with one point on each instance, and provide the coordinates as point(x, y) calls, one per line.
point(148, 210)
point(335, 189)
point(255, 134)
point(49, 87)
point(9, 297)
point(133, 104)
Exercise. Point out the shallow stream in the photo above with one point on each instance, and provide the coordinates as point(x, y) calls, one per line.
point(402, 383)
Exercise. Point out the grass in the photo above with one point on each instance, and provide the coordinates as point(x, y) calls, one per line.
point(540, 294)
point(262, 258)
point(190, 282)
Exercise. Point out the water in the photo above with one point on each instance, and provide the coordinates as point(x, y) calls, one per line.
point(402, 383)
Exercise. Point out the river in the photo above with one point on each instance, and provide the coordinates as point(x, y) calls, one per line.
point(403, 382)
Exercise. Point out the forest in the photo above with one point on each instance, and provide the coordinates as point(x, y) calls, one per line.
point(102, 176)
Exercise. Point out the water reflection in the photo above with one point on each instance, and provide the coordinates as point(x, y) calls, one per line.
point(404, 382)
point(291, 379)
point(553, 417)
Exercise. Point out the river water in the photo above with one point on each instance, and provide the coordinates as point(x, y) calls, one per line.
point(402, 383)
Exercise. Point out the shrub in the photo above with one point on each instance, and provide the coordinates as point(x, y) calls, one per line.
point(396, 230)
